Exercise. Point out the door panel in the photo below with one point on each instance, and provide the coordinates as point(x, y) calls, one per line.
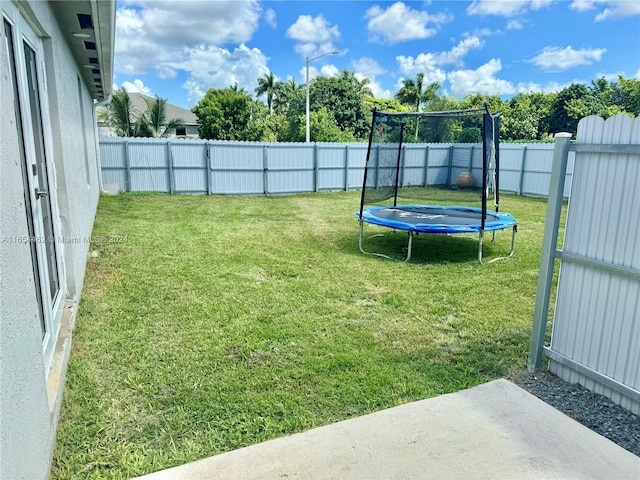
point(34, 138)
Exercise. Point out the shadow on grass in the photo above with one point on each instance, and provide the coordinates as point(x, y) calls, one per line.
point(427, 248)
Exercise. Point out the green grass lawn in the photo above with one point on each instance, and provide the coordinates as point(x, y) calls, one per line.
point(224, 321)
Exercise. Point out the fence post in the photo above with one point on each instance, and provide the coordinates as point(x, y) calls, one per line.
point(426, 166)
point(346, 167)
point(265, 170)
point(207, 167)
point(377, 173)
point(170, 164)
point(522, 169)
point(471, 159)
point(127, 166)
point(315, 167)
point(450, 166)
point(549, 245)
point(402, 162)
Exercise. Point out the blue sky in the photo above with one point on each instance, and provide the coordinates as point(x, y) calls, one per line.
point(179, 49)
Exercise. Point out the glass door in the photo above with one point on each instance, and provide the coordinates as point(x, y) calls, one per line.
point(33, 131)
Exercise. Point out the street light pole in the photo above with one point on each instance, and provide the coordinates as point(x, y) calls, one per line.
point(309, 60)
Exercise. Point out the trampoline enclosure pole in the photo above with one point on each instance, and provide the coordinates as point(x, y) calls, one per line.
point(395, 192)
point(366, 163)
point(496, 144)
point(484, 168)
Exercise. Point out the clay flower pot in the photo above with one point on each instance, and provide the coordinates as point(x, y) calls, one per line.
point(465, 180)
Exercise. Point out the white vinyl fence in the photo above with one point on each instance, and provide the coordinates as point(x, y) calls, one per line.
point(263, 168)
point(595, 340)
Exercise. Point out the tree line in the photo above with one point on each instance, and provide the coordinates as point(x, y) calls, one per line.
point(341, 108)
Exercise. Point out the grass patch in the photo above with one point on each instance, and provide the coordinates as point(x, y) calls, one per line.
point(225, 321)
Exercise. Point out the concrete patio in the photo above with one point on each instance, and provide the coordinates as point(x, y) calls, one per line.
point(493, 431)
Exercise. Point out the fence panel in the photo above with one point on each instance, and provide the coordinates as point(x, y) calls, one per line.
point(332, 166)
point(595, 339)
point(290, 168)
point(258, 168)
point(190, 165)
point(236, 168)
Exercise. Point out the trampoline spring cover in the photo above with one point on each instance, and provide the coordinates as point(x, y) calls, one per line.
point(435, 218)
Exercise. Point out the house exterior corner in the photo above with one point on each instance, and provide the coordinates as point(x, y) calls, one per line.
point(49, 190)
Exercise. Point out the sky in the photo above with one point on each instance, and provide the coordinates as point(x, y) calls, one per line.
point(178, 49)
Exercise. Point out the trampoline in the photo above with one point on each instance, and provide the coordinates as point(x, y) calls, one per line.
point(417, 219)
point(383, 177)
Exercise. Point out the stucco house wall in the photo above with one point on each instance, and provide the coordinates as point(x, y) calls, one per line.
point(31, 377)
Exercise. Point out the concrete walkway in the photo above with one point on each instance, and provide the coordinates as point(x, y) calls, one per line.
point(493, 431)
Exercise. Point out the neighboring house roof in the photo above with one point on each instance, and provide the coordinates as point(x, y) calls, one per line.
point(173, 111)
point(89, 29)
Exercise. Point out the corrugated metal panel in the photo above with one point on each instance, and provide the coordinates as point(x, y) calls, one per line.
point(190, 181)
point(237, 183)
point(597, 316)
point(462, 156)
point(116, 177)
point(144, 152)
point(358, 156)
point(534, 183)
point(235, 155)
point(189, 154)
point(112, 154)
point(290, 156)
point(286, 181)
point(330, 179)
point(414, 155)
point(190, 165)
point(148, 180)
point(332, 155)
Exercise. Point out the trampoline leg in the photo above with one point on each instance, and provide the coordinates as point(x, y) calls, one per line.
point(480, 247)
point(360, 238)
point(363, 250)
point(513, 246)
point(409, 247)
point(513, 240)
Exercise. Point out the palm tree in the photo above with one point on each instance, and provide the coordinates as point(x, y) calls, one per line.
point(412, 93)
point(267, 84)
point(128, 121)
point(120, 114)
point(285, 92)
point(361, 86)
point(155, 118)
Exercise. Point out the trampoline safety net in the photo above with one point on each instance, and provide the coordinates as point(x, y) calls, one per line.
point(391, 130)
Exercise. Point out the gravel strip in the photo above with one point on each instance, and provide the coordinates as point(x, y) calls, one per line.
point(592, 410)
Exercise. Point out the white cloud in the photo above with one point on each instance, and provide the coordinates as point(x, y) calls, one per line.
point(607, 9)
point(215, 67)
point(430, 64)
point(190, 24)
point(369, 68)
point(457, 53)
point(638, 74)
point(137, 86)
point(314, 35)
point(270, 17)
point(157, 36)
point(399, 23)
point(480, 80)
point(325, 71)
point(514, 25)
point(556, 59)
point(506, 8)
point(329, 71)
